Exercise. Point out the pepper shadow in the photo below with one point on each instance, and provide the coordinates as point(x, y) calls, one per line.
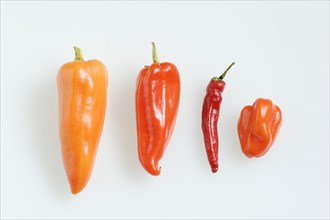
point(229, 129)
point(199, 92)
point(123, 124)
point(44, 124)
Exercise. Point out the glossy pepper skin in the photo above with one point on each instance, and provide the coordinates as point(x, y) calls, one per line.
point(82, 91)
point(210, 116)
point(157, 102)
point(258, 127)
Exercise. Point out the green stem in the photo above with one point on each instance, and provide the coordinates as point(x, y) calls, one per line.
point(224, 73)
point(78, 56)
point(154, 53)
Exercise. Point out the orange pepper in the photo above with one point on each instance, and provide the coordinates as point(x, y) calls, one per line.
point(157, 101)
point(82, 90)
point(258, 127)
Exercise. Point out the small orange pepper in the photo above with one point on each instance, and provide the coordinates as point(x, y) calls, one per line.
point(82, 90)
point(258, 126)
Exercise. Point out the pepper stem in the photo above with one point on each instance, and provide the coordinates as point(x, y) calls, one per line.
point(154, 53)
point(78, 56)
point(224, 73)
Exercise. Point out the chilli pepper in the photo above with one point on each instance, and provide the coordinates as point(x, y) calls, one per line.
point(210, 116)
point(157, 100)
point(82, 90)
point(258, 126)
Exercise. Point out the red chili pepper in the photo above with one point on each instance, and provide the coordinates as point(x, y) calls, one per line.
point(210, 115)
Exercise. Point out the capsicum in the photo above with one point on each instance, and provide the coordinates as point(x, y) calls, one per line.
point(82, 92)
point(258, 127)
point(157, 101)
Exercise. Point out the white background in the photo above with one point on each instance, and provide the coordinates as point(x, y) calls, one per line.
point(282, 53)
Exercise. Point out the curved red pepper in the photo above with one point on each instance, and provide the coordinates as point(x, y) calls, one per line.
point(210, 116)
point(157, 101)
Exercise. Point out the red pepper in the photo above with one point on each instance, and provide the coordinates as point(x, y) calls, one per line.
point(210, 116)
point(157, 102)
